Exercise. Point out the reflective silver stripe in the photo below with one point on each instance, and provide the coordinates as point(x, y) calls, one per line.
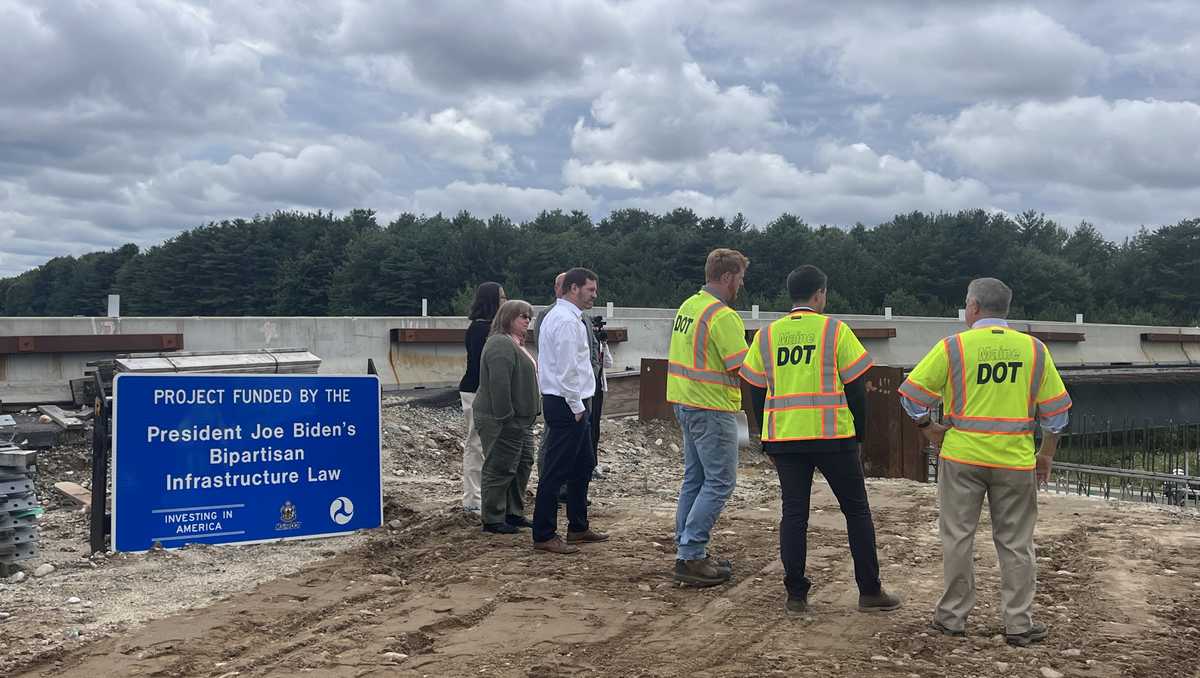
point(1039, 371)
point(764, 350)
point(735, 360)
point(771, 425)
point(1055, 404)
point(917, 395)
point(829, 400)
point(753, 378)
point(720, 378)
point(699, 359)
point(977, 426)
point(958, 397)
point(829, 372)
point(855, 368)
point(829, 356)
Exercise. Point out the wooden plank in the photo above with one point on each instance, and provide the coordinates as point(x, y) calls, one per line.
point(874, 332)
point(76, 493)
point(622, 396)
point(860, 332)
point(442, 335)
point(1170, 338)
point(60, 417)
point(427, 335)
point(90, 343)
point(1057, 335)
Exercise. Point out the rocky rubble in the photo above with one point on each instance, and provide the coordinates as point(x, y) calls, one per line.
point(422, 466)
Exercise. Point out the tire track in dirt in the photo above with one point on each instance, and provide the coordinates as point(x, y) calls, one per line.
point(456, 601)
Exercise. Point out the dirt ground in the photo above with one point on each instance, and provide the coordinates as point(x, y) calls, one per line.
point(430, 595)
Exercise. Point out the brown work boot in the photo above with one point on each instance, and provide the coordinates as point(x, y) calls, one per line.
point(555, 545)
point(880, 602)
point(585, 537)
point(700, 572)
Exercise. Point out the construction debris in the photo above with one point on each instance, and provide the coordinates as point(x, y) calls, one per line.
point(75, 492)
point(60, 417)
point(18, 508)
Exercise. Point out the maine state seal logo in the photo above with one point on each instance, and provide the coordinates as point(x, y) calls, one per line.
point(287, 518)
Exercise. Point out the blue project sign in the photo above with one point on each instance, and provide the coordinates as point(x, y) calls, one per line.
point(242, 458)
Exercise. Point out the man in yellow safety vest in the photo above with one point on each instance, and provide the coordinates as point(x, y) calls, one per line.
point(996, 387)
point(708, 344)
point(806, 373)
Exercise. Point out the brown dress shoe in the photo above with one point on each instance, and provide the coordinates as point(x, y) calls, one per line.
point(555, 545)
point(879, 602)
point(585, 537)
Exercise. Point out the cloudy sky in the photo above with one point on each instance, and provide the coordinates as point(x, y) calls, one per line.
point(130, 120)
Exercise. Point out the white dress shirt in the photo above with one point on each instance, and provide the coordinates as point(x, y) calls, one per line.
point(564, 358)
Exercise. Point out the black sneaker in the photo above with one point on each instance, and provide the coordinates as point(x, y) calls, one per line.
point(518, 521)
point(1036, 633)
point(499, 528)
point(945, 631)
point(796, 606)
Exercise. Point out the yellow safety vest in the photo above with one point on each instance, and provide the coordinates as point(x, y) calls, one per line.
point(804, 360)
point(708, 344)
point(994, 383)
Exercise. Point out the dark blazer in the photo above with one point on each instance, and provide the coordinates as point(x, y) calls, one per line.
point(477, 334)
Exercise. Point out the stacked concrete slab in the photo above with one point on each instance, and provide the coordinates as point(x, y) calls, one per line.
point(18, 508)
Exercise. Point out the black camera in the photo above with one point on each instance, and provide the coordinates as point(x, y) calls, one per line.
point(598, 324)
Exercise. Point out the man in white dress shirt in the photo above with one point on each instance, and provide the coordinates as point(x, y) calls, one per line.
point(567, 380)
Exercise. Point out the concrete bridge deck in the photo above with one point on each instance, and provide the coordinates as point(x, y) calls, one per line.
point(31, 375)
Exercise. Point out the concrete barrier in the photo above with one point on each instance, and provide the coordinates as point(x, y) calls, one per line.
point(345, 343)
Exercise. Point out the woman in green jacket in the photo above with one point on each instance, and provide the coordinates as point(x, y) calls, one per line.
point(506, 405)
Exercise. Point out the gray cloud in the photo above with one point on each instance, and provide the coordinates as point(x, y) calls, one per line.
point(130, 120)
point(453, 46)
point(962, 55)
point(1087, 142)
point(669, 114)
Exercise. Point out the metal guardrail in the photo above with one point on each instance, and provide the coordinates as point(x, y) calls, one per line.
point(1126, 484)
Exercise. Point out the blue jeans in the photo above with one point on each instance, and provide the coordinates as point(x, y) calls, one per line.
point(710, 458)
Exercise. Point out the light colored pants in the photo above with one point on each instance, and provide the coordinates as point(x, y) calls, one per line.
point(710, 459)
point(472, 456)
point(1012, 501)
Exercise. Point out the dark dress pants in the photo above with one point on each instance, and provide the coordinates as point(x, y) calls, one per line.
point(843, 471)
point(594, 413)
point(569, 458)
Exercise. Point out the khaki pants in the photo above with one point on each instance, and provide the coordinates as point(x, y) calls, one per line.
point(472, 456)
point(1012, 501)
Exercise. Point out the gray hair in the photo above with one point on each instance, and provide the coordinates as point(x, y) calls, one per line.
point(992, 296)
point(509, 311)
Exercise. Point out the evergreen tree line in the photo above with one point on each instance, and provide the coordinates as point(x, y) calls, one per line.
point(293, 263)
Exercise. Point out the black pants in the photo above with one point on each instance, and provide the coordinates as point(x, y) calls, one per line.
point(845, 475)
point(594, 412)
point(570, 458)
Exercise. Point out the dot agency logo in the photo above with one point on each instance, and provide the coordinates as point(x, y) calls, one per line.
point(341, 510)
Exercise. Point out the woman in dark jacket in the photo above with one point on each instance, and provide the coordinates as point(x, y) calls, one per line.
point(508, 403)
point(488, 298)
